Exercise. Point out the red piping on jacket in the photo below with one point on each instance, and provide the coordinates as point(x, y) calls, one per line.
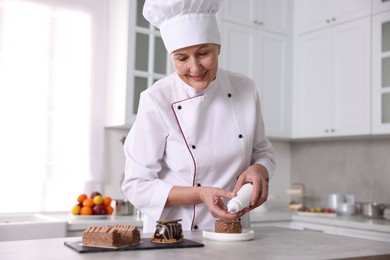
point(188, 147)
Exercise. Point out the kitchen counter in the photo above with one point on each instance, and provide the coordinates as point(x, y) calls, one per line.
point(269, 243)
point(77, 225)
point(357, 222)
point(267, 218)
point(74, 226)
point(277, 216)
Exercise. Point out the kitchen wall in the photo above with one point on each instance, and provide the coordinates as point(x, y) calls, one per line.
point(280, 181)
point(359, 167)
point(115, 162)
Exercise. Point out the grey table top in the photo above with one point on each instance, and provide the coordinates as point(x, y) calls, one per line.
point(268, 243)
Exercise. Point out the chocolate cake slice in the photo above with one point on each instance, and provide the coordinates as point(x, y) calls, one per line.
point(111, 236)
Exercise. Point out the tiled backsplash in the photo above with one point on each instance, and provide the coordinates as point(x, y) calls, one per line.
point(358, 167)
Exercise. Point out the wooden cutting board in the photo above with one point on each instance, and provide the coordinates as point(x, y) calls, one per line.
point(145, 244)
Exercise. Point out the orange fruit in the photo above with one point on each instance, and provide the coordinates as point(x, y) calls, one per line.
point(110, 210)
point(81, 198)
point(88, 203)
point(86, 211)
point(107, 201)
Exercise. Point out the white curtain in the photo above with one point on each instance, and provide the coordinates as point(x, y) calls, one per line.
point(52, 83)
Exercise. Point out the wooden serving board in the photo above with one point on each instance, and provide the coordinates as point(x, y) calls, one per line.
point(145, 244)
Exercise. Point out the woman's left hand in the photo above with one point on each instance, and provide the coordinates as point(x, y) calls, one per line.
point(257, 175)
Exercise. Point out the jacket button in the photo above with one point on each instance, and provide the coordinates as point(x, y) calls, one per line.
point(240, 136)
point(179, 107)
point(193, 147)
point(198, 184)
point(229, 95)
point(196, 227)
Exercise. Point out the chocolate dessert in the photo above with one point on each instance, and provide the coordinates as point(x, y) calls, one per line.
point(111, 236)
point(168, 231)
point(227, 226)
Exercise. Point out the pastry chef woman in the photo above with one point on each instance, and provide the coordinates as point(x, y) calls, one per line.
point(199, 132)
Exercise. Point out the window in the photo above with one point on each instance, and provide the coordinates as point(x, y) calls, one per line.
point(52, 81)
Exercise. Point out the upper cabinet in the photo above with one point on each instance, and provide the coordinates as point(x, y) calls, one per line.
point(272, 15)
point(136, 59)
point(326, 77)
point(381, 6)
point(381, 74)
point(262, 55)
point(332, 81)
point(312, 15)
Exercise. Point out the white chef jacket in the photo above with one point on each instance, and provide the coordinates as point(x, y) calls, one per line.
point(186, 137)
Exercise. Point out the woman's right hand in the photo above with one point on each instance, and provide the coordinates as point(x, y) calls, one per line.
point(212, 197)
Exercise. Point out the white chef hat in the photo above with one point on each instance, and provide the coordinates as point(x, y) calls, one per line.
point(184, 23)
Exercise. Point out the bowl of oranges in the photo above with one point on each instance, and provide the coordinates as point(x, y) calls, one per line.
point(94, 206)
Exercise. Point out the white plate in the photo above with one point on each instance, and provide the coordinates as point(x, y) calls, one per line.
point(244, 235)
point(90, 216)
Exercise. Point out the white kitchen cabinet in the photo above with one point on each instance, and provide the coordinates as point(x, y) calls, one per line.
point(381, 74)
point(313, 227)
point(335, 230)
point(332, 81)
point(262, 56)
point(272, 15)
point(353, 232)
point(381, 6)
point(312, 15)
point(136, 59)
point(283, 224)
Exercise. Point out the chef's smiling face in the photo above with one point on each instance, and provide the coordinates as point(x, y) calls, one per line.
point(197, 65)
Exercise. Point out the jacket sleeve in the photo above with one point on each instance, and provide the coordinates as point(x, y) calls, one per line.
point(262, 149)
point(144, 149)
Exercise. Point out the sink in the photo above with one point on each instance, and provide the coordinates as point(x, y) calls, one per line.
point(30, 226)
